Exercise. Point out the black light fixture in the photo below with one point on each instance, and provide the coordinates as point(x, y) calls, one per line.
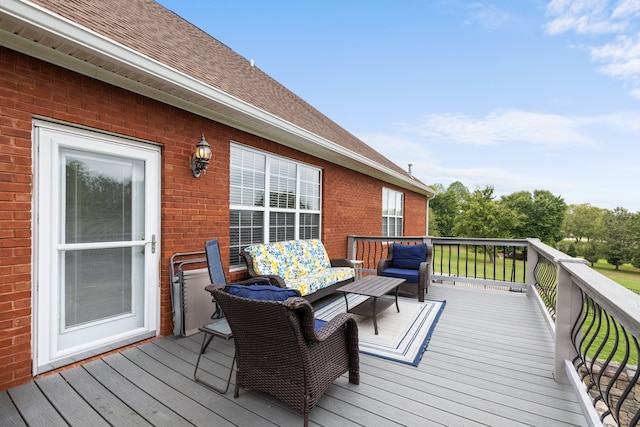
point(200, 159)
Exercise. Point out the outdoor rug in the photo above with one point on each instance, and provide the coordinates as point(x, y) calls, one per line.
point(402, 337)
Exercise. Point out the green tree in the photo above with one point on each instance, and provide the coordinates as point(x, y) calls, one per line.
point(593, 251)
point(635, 230)
point(446, 207)
point(433, 226)
point(482, 216)
point(583, 222)
point(541, 215)
point(618, 238)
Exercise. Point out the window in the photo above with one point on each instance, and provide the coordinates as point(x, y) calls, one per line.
point(392, 212)
point(271, 199)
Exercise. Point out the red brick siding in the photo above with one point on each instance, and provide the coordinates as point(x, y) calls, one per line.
point(192, 210)
point(415, 214)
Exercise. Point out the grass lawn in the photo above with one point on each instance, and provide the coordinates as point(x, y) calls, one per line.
point(457, 261)
point(629, 277)
point(626, 275)
point(473, 265)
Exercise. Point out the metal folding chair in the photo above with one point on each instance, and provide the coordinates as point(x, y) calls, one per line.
point(219, 327)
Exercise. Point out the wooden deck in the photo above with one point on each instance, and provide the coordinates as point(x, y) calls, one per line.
point(489, 363)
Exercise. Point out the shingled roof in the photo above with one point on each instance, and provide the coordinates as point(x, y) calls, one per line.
point(147, 28)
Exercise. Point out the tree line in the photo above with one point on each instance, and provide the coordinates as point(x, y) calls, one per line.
point(578, 230)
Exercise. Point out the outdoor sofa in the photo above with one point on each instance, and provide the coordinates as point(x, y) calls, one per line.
point(299, 264)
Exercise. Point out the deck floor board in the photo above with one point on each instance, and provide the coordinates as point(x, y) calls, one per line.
point(489, 363)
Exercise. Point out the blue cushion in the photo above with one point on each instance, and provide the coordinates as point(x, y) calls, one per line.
point(409, 256)
point(262, 292)
point(319, 324)
point(401, 273)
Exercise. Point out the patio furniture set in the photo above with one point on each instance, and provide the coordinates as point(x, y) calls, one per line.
point(280, 348)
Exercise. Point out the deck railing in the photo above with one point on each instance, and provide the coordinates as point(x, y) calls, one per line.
point(481, 262)
point(595, 321)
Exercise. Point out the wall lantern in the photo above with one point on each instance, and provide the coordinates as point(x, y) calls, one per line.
point(201, 157)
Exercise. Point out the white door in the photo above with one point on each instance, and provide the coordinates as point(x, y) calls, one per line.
point(97, 257)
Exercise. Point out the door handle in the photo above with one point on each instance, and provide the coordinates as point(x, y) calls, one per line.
point(153, 243)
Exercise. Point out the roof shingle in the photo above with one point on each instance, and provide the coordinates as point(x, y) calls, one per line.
point(154, 31)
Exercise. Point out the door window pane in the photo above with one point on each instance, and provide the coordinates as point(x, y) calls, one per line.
point(98, 284)
point(98, 198)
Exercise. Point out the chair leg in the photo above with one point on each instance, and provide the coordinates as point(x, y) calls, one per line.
point(236, 392)
point(204, 346)
point(206, 340)
point(306, 411)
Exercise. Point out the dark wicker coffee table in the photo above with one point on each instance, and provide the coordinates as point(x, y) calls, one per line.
point(373, 287)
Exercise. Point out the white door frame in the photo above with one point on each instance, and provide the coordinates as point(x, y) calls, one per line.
point(46, 354)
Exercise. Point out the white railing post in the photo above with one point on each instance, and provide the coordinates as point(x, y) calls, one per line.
point(532, 262)
point(351, 247)
point(568, 304)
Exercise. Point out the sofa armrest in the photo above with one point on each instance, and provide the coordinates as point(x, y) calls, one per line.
point(260, 280)
point(424, 276)
point(274, 280)
point(339, 332)
point(248, 260)
point(341, 262)
point(383, 264)
point(304, 311)
point(429, 259)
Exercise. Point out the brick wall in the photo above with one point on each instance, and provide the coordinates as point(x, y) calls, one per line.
point(192, 210)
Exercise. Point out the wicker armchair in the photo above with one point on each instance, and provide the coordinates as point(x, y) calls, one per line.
point(279, 352)
point(415, 269)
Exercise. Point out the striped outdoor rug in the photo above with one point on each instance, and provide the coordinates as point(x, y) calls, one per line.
point(402, 337)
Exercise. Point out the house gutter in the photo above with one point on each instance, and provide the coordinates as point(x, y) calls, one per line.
point(58, 40)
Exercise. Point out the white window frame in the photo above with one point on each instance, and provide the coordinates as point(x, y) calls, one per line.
point(270, 160)
point(392, 212)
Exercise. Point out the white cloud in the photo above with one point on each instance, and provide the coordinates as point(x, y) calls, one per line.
point(588, 16)
point(622, 57)
point(502, 127)
point(401, 150)
point(616, 122)
point(430, 168)
point(594, 159)
point(626, 9)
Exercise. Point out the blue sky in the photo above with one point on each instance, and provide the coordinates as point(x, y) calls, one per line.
point(519, 95)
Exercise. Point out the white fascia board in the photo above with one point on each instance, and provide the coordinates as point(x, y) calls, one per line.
point(241, 114)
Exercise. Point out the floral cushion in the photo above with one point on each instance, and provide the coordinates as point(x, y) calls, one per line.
point(312, 282)
point(303, 264)
point(316, 255)
point(304, 257)
point(268, 259)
